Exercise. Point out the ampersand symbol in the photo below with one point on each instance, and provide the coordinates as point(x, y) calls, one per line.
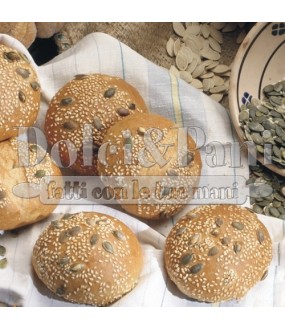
point(152, 137)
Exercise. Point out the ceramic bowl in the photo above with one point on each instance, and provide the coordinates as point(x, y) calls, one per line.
point(260, 61)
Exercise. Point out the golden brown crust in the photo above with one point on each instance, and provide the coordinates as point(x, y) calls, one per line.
point(98, 100)
point(16, 211)
point(217, 253)
point(19, 93)
point(169, 149)
point(88, 258)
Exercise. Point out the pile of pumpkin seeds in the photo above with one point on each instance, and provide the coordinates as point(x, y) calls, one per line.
point(263, 123)
point(196, 48)
point(3, 260)
point(267, 191)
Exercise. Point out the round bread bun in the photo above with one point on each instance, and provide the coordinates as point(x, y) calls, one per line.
point(217, 253)
point(154, 171)
point(88, 258)
point(18, 206)
point(19, 92)
point(95, 100)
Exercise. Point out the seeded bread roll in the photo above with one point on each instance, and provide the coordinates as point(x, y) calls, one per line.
point(18, 206)
point(88, 258)
point(95, 102)
point(154, 159)
point(217, 253)
point(19, 92)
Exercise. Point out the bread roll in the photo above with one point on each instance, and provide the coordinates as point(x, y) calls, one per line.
point(88, 258)
point(96, 100)
point(174, 158)
point(19, 92)
point(17, 210)
point(217, 253)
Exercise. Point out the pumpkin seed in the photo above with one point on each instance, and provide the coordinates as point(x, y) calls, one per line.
point(170, 47)
point(195, 239)
point(75, 268)
point(74, 231)
point(180, 231)
point(110, 92)
point(66, 101)
point(265, 274)
point(187, 158)
point(225, 240)
point(35, 86)
point(40, 174)
point(237, 247)
point(97, 123)
point(22, 96)
point(12, 56)
point(70, 125)
point(56, 224)
point(60, 291)
point(80, 76)
point(196, 268)
point(119, 235)
point(24, 73)
point(186, 259)
point(179, 29)
point(2, 250)
point(213, 251)
point(238, 225)
point(215, 232)
point(63, 261)
point(172, 172)
point(132, 106)
point(3, 263)
point(94, 239)
point(63, 237)
point(274, 212)
point(219, 222)
point(108, 247)
point(141, 131)
point(260, 236)
point(123, 112)
point(256, 127)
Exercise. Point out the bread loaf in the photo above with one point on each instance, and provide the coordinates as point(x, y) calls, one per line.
point(83, 110)
point(17, 209)
point(160, 157)
point(217, 253)
point(88, 258)
point(19, 92)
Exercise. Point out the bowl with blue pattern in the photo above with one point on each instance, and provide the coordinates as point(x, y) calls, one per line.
point(259, 62)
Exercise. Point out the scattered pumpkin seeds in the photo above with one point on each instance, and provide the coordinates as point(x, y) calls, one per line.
point(196, 50)
point(263, 123)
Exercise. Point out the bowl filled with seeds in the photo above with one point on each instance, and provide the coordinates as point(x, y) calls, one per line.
point(257, 94)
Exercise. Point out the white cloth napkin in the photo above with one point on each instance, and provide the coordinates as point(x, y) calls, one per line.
point(223, 167)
